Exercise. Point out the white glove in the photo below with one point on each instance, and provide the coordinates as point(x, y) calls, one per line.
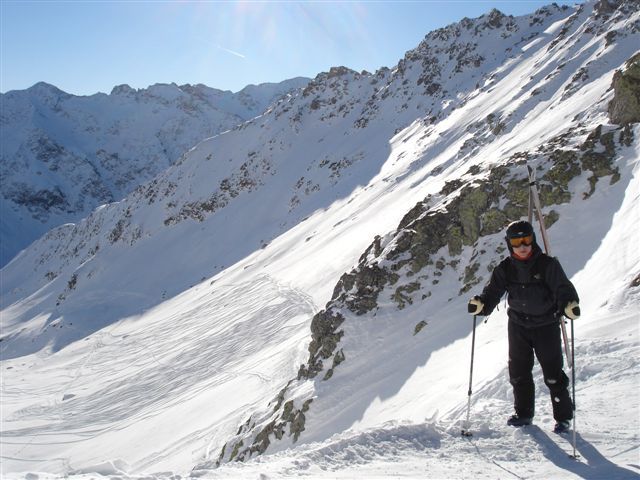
point(475, 306)
point(572, 310)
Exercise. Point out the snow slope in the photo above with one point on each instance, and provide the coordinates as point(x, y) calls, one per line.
point(415, 433)
point(137, 342)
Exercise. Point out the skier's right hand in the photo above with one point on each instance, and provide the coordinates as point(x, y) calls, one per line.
point(475, 306)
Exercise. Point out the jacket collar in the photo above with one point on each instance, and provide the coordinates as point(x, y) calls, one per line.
point(536, 251)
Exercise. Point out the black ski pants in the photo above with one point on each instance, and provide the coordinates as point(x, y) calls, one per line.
point(546, 343)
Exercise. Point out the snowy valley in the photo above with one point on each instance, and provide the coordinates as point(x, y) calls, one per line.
point(288, 298)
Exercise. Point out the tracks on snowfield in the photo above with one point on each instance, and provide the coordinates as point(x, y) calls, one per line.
point(207, 344)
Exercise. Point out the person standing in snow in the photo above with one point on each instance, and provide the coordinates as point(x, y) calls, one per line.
point(539, 292)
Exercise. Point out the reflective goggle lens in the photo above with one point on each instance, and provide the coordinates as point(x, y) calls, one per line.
point(526, 241)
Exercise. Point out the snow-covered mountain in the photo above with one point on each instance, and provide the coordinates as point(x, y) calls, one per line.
point(292, 293)
point(62, 155)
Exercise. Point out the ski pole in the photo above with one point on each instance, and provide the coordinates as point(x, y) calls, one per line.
point(465, 429)
point(573, 387)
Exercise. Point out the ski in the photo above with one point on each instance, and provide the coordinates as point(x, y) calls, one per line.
point(533, 189)
point(533, 195)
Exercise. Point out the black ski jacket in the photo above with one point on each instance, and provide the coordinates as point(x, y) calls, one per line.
point(538, 289)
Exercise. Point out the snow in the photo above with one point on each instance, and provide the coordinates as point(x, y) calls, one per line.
point(168, 341)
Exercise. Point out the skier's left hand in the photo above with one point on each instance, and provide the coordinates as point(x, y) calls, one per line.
point(475, 306)
point(572, 310)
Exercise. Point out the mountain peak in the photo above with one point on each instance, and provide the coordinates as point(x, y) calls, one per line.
point(123, 89)
point(335, 72)
point(495, 18)
point(43, 88)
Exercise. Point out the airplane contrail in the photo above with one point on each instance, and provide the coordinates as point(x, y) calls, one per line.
point(231, 52)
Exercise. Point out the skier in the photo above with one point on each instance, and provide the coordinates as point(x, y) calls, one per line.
point(539, 292)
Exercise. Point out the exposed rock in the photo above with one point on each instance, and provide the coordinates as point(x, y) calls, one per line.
point(598, 153)
point(566, 166)
point(493, 221)
point(605, 7)
point(625, 106)
point(338, 358)
point(293, 417)
point(419, 326)
point(402, 295)
point(324, 340)
point(123, 89)
point(39, 202)
point(369, 281)
point(495, 18)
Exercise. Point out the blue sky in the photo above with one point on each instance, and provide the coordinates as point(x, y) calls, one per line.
point(84, 47)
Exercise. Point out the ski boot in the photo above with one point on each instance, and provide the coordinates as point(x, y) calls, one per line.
point(518, 421)
point(562, 426)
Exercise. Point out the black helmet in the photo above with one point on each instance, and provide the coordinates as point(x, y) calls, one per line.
point(517, 229)
point(520, 228)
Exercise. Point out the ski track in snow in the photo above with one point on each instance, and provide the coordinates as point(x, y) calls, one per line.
point(147, 371)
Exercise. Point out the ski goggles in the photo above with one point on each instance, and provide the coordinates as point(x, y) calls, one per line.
point(518, 241)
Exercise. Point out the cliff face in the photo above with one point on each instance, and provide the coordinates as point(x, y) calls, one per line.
point(625, 106)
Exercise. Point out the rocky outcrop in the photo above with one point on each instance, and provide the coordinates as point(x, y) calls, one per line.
point(625, 106)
